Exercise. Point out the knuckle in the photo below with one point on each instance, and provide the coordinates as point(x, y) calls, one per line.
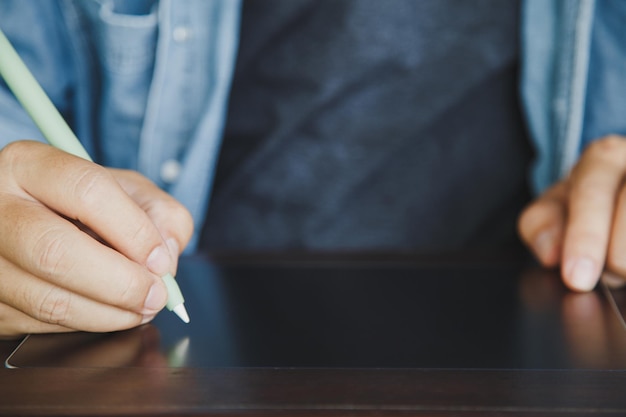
point(129, 180)
point(11, 154)
point(55, 306)
point(609, 147)
point(533, 216)
point(174, 217)
point(9, 151)
point(133, 294)
point(588, 192)
point(533, 211)
point(16, 148)
point(91, 185)
point(134, 176)
point(51, 253)
point(142, 237)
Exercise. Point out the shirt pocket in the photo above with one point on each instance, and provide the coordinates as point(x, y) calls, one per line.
point(126, 42)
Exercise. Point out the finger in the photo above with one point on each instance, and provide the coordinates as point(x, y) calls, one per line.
point(90, 194)
point(171, 218)
point(14, 324)
point(52, 248)
point(57, 306)
point(541, 225)
point(611, 280)
point(593, 188)
point(616, 257)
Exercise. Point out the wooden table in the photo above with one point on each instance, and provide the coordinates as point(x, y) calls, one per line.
point(301, 391)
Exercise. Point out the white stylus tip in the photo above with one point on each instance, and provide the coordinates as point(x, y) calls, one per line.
point(181, 312)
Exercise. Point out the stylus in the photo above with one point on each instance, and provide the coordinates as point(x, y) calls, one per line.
point(57, 132)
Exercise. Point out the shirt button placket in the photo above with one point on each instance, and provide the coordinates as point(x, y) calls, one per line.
point(169, 126)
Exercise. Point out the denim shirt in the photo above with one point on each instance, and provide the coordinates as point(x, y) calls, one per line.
point(605, 107)
point(573, 84)
point(149, 90)
point(142, 91)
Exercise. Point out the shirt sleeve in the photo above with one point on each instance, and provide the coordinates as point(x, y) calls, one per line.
point(41, 39)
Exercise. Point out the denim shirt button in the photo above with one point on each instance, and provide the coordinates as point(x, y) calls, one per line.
point(181, 34)
point(170, 170)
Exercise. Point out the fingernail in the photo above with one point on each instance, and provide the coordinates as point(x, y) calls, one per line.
point(582, 273)
point(156, 298)
point(159, 261)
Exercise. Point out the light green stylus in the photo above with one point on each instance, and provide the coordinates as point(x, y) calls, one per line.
point(58, 133)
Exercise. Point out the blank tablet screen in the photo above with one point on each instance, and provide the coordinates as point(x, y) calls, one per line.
point(359, 314)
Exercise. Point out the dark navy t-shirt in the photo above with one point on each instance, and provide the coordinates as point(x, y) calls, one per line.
point(368, 124)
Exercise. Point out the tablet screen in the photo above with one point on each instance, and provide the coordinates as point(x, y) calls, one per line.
point(358, 314)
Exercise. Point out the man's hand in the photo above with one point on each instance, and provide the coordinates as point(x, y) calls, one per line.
point(81, 247)
point(580, 222)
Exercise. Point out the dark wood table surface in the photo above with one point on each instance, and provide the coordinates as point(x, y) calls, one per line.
point(309, 391)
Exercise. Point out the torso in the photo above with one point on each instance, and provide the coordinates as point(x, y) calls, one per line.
point(372, 125)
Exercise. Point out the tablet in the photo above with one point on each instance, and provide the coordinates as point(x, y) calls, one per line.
point(359, 313)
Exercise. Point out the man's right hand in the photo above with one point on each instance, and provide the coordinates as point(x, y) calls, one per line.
point(82, 247)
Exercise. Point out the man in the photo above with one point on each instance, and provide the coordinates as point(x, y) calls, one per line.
point(351, 125)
